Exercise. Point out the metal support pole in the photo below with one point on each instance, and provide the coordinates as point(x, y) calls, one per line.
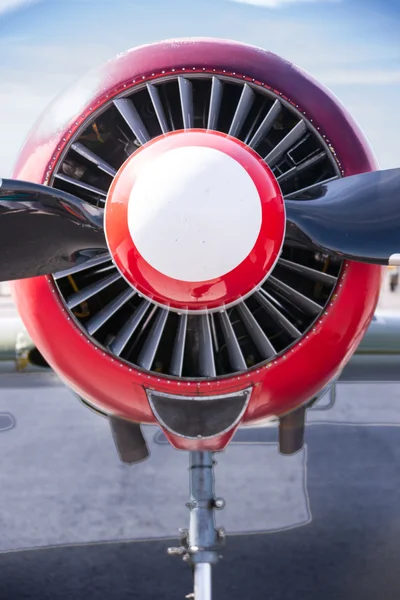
point(200, 544)
point(202, 581)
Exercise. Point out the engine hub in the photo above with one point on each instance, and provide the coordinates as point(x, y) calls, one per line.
point(195, 220)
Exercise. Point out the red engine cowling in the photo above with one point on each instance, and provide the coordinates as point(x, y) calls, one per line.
point(198, 373)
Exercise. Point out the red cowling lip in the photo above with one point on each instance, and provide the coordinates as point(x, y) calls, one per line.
point(290, 380)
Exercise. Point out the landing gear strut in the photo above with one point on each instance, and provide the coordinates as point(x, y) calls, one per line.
point(200, 544)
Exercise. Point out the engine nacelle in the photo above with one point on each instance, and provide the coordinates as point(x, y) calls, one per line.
point(199, 341)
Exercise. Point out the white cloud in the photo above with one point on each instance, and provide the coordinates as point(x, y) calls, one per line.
point(29, 88)
point(8, 5)
point(360, 77)
point(278, 3)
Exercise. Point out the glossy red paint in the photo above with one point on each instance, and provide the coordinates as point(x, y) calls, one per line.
point(310, 364)
point(195, 295)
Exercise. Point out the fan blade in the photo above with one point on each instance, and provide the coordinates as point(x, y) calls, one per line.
point(44, 230)
point(356, 217)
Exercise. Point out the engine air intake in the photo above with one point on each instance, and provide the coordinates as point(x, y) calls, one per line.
point(234, 332)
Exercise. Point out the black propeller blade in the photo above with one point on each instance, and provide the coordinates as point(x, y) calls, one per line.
point(44, 230)
point(356, 217)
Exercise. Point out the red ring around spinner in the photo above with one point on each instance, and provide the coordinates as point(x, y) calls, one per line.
point(182, 291)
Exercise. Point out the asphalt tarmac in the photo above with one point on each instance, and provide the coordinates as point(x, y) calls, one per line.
point(76, 523)
point(323, 523)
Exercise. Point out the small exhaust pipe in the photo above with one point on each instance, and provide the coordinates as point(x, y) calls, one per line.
point(291, 431)
point(129, 440)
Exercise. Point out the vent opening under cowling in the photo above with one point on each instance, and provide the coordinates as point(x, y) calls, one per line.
point(259, 328)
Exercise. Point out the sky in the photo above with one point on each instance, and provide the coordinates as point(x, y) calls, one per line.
point(352, 46)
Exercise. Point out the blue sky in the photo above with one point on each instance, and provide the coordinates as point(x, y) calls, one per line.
point(352, 46)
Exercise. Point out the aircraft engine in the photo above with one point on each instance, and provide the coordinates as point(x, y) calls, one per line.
point(199, 239)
